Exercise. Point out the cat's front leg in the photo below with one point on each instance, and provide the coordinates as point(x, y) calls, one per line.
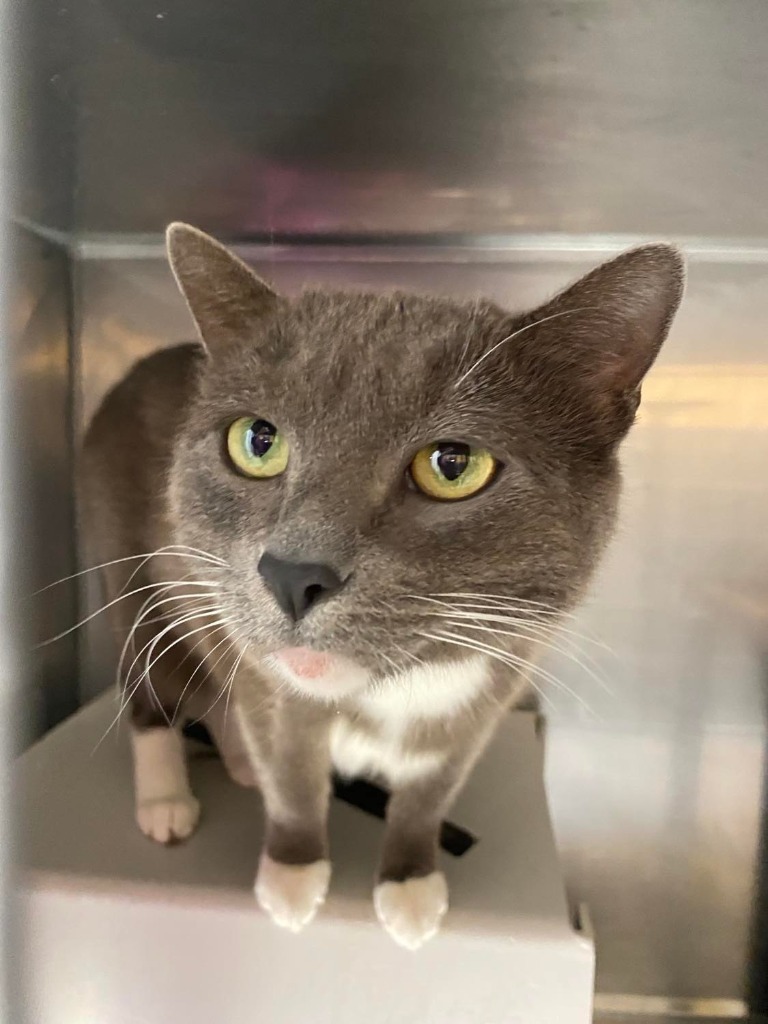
point(294, 775)
point(166, 809)
point(411, 893)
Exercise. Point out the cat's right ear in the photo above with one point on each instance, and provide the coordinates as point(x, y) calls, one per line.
point(224, 295)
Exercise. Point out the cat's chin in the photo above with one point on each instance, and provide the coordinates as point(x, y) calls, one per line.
point(317, 674)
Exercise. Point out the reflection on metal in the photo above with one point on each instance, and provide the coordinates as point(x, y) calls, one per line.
point(461, 116)
point(607, 1007)
point(716, 397)
point(39, 353)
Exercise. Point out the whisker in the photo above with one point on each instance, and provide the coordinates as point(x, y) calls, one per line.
point(233, 642)
point(523, 663)
point(547, 630)
point(205, 612)
point(532, 615)
point(494, 601)
point(188, 552)
point(114, 601)
point(544, 627)
point(150, 646)
point(142, 621)
point(515, 334)
point(390, 662)
point(161, 552)
point(530, 639)
point(229, 681)
point(491, 652)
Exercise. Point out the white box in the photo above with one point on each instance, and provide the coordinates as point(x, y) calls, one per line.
point(122, 931)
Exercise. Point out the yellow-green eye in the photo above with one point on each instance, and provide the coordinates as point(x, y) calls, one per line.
point(256, 448)
point(450, 470)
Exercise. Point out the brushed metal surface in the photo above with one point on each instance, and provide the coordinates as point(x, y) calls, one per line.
point(656, 786)
point(40, 372)
point(283, 116)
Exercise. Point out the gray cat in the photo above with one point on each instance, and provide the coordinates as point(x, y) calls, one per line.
point(359, 517)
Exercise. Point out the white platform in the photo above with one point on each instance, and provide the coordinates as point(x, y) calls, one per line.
point(121, 931)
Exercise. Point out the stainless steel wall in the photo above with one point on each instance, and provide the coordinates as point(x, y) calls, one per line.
point(470, 116)
point(40, 358)
point(503, 147)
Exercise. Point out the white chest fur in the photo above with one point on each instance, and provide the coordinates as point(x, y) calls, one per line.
point(428, 693)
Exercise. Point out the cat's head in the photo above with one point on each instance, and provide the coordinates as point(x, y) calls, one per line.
point(395, 478)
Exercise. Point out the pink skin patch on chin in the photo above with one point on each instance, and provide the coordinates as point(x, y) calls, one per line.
point(304, 663)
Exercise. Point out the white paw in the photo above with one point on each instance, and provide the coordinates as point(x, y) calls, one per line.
point(168, 820)
point(292, 893)
point(411, 911)
point(240, 770)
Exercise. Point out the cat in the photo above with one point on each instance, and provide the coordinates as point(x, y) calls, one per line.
point(368, 514)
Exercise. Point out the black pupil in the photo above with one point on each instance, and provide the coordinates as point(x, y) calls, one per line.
point(260, 438)
point(452, 459)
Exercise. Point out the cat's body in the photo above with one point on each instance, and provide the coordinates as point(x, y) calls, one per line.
point(365, 626)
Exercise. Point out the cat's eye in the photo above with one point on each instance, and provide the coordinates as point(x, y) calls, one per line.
point(450, 470)
point(256, 448)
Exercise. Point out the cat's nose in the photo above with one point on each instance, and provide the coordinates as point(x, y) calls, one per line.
point(298, 585)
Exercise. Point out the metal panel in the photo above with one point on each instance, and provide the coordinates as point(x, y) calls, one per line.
point(283, 116)
point(41, 371)
point(656, 785)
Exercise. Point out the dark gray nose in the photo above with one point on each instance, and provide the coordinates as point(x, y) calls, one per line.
point(297, 585)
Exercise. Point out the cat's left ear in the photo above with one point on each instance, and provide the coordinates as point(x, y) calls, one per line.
point(224, 295)
point(595, 342)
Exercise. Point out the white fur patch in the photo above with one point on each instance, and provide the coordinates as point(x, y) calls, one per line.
point(292, 893)
point(411, 911)
point(357, 754)
point(168, 821)
point(428, 692)
point(166, 810)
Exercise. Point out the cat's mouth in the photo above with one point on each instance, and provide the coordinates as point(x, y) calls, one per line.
point(318, 674)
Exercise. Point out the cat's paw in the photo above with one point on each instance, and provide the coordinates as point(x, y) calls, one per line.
point(411, 911)
point(168, 820)
point(292, 893)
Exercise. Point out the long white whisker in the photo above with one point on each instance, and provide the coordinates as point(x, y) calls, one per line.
point(529, 607)
point(150, 646)
point(546, 642)
point(549, 631)
point(492, 652)
point(141, 620)
point(228, 683)
point(535, 623)
point(187, 553)
point(110, 604)
point(230, 688)
point(531, 615)
point(219, 563)
point(228, 635)
point(528, 666)
point(203, 612)
point(207, 628)
point(514, 334)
